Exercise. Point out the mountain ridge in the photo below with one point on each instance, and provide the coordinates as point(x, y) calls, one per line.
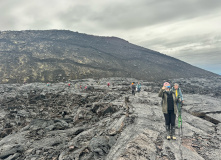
point(61, 55)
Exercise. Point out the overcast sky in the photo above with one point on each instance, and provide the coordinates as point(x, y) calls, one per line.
point(189, 30)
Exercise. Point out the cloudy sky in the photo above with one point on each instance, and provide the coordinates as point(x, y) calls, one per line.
point(189, 30)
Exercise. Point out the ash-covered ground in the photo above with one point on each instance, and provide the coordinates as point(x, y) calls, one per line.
point(57, 122)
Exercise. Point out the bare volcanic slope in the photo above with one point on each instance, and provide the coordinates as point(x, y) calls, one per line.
point(59, 55)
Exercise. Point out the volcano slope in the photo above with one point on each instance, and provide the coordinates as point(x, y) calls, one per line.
point(58, 55)
point(65, 123)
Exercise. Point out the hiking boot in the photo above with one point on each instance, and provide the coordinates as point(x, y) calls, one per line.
point(168, 132)
point(173, 138)
point(173, 133)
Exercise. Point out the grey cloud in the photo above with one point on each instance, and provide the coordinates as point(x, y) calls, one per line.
point(203, 51)
point(141, 13)
point(204, 58)
point(75, 15)
point(115, 14)
point(195, 40)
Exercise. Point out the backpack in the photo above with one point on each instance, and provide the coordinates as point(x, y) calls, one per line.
point(133, 86)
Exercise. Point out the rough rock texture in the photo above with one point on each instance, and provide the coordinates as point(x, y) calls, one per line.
point(58, 55)
point(58, 122)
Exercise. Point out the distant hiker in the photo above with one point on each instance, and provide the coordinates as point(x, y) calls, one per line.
point(108, 84)
point(133, 87)
point(85, 87)
point(169, 109)
point(75, 86)
point(178, 94)
point(138, 87)
point(90, 88)
point(69, 84)
point(48, 84)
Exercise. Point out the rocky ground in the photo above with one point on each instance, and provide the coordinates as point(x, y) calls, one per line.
point(58, 122)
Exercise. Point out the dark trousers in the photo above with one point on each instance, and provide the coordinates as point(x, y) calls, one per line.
point(138, 89)
point(133, 92)
point(170, 118)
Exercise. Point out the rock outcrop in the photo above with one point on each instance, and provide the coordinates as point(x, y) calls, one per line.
point(59, 122)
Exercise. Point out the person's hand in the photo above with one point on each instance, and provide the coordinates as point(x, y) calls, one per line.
point(163, 87)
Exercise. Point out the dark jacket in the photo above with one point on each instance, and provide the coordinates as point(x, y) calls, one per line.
point(163, 95)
